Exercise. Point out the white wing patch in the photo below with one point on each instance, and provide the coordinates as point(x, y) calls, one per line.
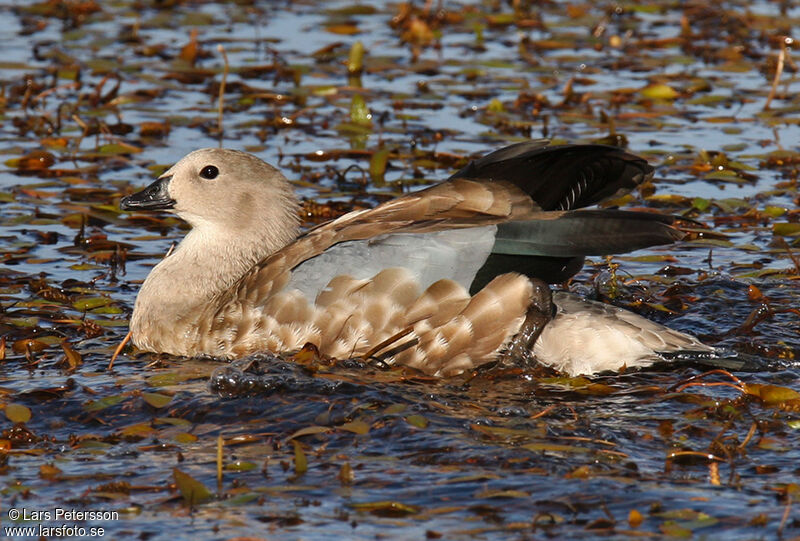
point(455, 254)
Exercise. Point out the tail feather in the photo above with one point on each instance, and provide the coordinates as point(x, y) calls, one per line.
point(586, 232)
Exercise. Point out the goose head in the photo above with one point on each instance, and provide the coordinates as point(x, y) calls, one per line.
point(225, 193)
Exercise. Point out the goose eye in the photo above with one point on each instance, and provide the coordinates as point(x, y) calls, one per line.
point(209, 172)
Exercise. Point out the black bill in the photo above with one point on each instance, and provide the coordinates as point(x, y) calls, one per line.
point(154, 197)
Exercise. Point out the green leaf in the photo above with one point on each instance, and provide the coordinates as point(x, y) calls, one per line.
point(85, 266)
point(157, 400)
point(192, 490)
point(94, 444)
point(105, 310)
point(507, 434)
point(377, 165)
point(786, 229)
point(89, 303)
point(241, 499)
point(17, 413)
point(701, 203)
point(118, 148)
point(495, 106)
point(470, 478)
point(387, 508)
point(659, 92)
point(356, 427)
point(555, 447)
point(185, 437)
point(775, 212)
point(103, 403)
point(732, 204)
point(170, 378)
point(393, 409)
point(300, 461)
point(772, 395)
point(355, 62)
point(174, 421)
point(140, 429)
point(240, 466)
point(308, 431)
point(674, 529)
point(727, 175)
point(417, 420)
point(359, 112)
point(502, 494)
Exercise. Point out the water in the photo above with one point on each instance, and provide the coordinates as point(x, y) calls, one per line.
point(491, 456)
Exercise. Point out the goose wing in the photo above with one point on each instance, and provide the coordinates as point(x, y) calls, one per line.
point(562, 177)
point(452, 206)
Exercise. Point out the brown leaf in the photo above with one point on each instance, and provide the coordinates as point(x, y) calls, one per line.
point(28, 345)
point(346, 475)
point(418, 32)
point(190, 51)
point(154, 129)
point(71, 357)
point(635, 518)
point(33, 161)
point(49, 471)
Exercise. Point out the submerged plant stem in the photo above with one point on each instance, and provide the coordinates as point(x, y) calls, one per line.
point(221, 100)
point(119, 350)
point(777, 78)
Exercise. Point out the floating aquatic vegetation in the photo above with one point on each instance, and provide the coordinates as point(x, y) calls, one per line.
point(360, 102)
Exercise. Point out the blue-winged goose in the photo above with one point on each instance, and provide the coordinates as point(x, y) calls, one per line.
point(243, 280)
